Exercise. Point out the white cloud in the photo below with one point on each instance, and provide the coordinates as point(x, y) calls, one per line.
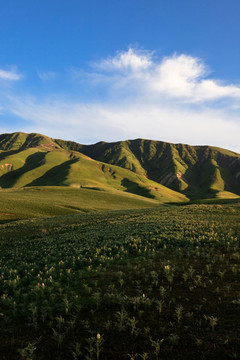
point(177, 75)
point(172, 99)
point(11, 75)
point(210, 89)
point(132, 59)
point(182, 77)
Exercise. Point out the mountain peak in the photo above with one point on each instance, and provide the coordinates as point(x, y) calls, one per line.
point(21, 140)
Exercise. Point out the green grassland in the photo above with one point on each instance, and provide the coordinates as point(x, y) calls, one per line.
point(154, 283)
point(37, 201)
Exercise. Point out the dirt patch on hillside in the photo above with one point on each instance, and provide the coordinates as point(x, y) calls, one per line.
point(6, 214)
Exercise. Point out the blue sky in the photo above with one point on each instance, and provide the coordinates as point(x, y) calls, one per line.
point(113, 70)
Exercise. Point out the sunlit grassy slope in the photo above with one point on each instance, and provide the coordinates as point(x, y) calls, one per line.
point(153, 169)
point(48, 201)
point(48, 165)
point(196, 171)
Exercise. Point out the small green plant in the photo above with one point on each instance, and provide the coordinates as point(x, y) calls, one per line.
point(156, 344)
point(179, 313)
point(132, 356)
point(159, 305)
point(132, 323)
point(76, 352)
point(162, 291)
point(147, 331)
point(191, 271)
point(34, 316)
point(198, 280)
point(208, 268)
point(185, 276)
point(121, 282)
point(236, 302)
point(221, 273)
point(90, 349)
point(122, 318)
point(212, 321)
point(27, 353)
point(99, 342)
point(144, 356)
point(60, 322)
point(173, 339)
point(58, 337)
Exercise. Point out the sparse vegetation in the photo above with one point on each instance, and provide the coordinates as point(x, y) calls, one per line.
point(131, 284)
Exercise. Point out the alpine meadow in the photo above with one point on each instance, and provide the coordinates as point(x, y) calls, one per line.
point(125, 250)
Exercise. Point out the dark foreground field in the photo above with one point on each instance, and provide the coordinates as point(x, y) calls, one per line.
point(157, 283)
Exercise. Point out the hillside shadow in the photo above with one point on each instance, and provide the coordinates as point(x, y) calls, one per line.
point(134, 188)
point(199, 178)
point(230, 182)
point(32, 162)
point(55, 176)
point(8, 153)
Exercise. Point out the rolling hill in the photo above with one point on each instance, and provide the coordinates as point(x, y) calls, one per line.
point(30, 160)
point(196, 171)
point(153, 169)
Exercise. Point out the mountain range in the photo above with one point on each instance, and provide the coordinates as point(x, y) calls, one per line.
point(154, 169)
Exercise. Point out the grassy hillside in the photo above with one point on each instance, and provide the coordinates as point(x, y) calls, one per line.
point(196, 171)
point(154, 169)
point(37, 201)
point(46, 164)
point(20, 141)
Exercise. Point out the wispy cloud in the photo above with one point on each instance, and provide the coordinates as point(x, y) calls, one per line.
point(174, 98)
point(11, 75)
point(46, 75)
point(132, 59)
point(93, 122)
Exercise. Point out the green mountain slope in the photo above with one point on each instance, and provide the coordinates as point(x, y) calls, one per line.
point(196, 171)
point(36, 160)
point(22, 141)
point(153, 169)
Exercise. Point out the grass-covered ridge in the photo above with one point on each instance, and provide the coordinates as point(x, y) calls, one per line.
point(154, 169)
point(196, 171)
point(35, 160)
